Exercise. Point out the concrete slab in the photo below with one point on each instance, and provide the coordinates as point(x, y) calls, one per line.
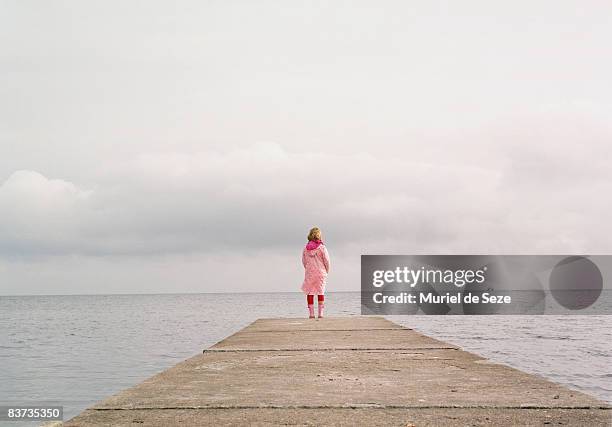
point(323, 372)
point(354, 333)
point(345, 417)
point(353, 323)
point(388, 339)
point(442, 378)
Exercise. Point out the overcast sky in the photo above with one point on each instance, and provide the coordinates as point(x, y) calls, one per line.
point(158, 146)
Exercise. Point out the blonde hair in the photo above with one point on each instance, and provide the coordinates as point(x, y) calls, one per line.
point(314, 234)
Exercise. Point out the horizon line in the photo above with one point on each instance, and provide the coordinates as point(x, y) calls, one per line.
point(166, 293)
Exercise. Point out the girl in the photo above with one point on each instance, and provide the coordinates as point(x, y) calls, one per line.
point(316, 266)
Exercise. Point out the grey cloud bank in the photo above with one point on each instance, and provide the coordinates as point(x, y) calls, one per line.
point(131, 153)
point(542, 197)
point(217, 211)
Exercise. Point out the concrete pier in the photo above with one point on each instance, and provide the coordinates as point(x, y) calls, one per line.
point(343, 371)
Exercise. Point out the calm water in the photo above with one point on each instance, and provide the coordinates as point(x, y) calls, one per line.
point(76, 350)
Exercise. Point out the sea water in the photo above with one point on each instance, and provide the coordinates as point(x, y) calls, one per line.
point(77, 350)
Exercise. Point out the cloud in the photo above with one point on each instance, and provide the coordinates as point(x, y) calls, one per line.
point(241, 200)
point(40, 214)
point(536, 188)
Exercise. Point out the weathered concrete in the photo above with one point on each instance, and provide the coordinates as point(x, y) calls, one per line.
point(343, 371)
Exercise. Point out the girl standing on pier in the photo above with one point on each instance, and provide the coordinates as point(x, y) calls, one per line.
point(316, 267)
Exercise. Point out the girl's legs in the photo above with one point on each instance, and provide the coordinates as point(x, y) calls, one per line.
point(321, 300)
point(310, 301)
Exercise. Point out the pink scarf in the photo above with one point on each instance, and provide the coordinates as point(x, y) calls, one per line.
point(313, 244)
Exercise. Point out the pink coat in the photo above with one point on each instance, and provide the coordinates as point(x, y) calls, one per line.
point(316, 267)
